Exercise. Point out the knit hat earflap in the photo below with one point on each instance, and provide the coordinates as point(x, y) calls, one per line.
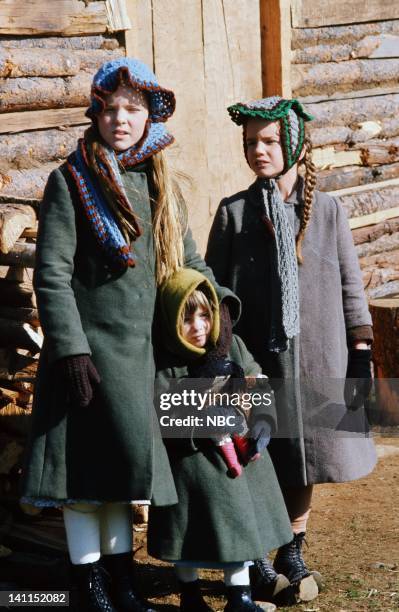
point(289, 113)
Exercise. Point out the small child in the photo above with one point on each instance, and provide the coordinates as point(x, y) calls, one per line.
point(219, 522)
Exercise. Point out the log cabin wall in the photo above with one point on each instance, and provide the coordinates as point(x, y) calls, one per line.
point(342, 60)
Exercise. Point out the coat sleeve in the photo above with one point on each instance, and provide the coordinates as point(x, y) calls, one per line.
point(193, 260)
point(56, 245)
point(353, 296)
point(218, 252)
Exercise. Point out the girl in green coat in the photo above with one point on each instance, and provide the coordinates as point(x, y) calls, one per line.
point(112, 227)
point(220, 521)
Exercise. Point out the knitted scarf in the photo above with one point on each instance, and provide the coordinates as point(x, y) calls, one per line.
point(284, 322)
point(101, 220)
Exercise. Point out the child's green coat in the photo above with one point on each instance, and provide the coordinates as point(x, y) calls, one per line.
point(218, 519)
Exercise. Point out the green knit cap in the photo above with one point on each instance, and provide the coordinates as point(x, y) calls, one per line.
point(291, 116)
point(173, 297)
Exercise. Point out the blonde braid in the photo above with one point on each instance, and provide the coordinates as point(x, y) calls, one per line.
point(310, 184)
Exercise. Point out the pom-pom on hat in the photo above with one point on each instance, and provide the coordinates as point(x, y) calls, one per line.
point(289, 113)
point(139, 76)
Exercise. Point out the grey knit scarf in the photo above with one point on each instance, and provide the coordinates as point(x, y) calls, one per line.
point(285, 305)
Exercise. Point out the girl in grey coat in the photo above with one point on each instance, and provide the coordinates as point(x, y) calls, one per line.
point(286, 250)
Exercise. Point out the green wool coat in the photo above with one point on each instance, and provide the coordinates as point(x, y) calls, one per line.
point(218, 519)
point(111, 450)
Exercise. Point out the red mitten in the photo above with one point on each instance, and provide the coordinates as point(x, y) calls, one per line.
point(230, 458)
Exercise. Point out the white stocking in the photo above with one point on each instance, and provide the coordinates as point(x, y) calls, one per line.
point(82, 526)
point(116, 527)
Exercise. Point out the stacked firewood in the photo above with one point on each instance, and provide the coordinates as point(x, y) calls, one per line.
point(20, 337)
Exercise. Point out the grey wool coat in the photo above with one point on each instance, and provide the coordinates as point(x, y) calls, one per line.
point(319, 440)
point(111, 450)
point(218, 519)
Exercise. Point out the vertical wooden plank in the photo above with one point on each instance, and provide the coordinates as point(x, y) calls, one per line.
point(138, 40)
point(232, 74)
point(179, 65)
point(275, 18)
point(118, 18)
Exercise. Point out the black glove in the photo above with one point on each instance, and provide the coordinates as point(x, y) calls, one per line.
point(259, 436)
point(80, 375)
point(358, 378)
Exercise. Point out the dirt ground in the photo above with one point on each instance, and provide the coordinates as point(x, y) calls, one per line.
point(353, 540)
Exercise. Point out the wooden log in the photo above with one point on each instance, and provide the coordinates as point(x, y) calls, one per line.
point(353, 111)
point(14, 293)
point(380, 280)
point(19, 335)
point(302, 38)
point(377, 217)
point(42, 63)
point(354, 134)
point(11, 123)
point(71, 17)
point(386, 288)
point(25, 315)
point(15, 367)
point(373, 232)
point(83, 43)
point(26, 183)
point(379, 152)
point(382, 260)
point(350, 94)
point(38, 62)
point(316, 13)
point(330, 78)
point(39, 92)
point(385, 315)
point(382, 244)
point(275, 21)
point(351, 176)
point(14, 219)
point(371, 201)
point(21, 254)
point(371, 47)
point(29, 149)
point(330, 157)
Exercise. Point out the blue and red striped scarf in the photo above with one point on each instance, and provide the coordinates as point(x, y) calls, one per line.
point(95, 206)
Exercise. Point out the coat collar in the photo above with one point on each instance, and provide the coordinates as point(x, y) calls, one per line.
point(296, 197)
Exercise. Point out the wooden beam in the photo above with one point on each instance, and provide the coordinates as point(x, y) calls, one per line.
point(11, 123)
point(374, 218)
point(316, 13)
point(68, 17)
point(118, 17)
point(362, 188)
point(275, 21)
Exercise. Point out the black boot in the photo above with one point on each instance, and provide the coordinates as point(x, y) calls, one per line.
point(92, 593)
point(122, 589)
point(267, 585)
point(191, 599)
point(289, 561)
point(239, 599)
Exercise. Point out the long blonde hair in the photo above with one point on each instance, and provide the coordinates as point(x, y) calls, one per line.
point(169, 219)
